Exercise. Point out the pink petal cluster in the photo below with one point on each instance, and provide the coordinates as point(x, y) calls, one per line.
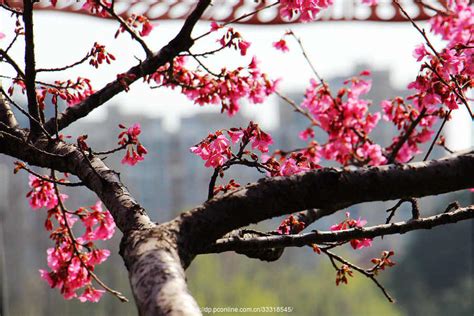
point(71, 261)
point(232, 39)
point(227, 89)
point(69, 272)
point(94, 7)
point(443, 76)
point(346, 120)
point(349, 223)
point(72, 92)
point(135, 22)
point(99, 55)
point(215, 149)
point(307, 9)
point(99, 224)
point(290, 225)
point(42, 193)
point(281, 45)
point(287, 164)
point(135, 151)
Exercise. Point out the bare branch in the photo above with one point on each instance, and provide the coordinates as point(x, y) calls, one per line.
point(86, 57)
point(30, 72)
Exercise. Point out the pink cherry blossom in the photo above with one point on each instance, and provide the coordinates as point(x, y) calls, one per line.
point(135, 151)
point(99, 224)
point(91, 294)
point(227, 89)
point(146, 29)
point(349, 223)
point(243, 46)
point(235, 135)
point(420, 52)
point(42, 193)
point(281, 45)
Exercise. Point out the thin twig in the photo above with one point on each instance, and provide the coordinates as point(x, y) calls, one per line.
point(437, 135)
point(406, 136)
point(126, 27)
point(65, 67)
point(238, 19)
point(67, 184)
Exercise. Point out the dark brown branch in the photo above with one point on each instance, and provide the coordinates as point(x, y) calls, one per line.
point(326, 189)
point(10, 61)
point(235, 244)
point(19, 108)
point(30, 72)
point(86, 57)
point(10, 9)
point(181, 43)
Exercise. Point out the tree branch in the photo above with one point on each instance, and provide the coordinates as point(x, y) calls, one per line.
point(30, 72)
point(326, 189)
point(281, 241)
point(181, 43)
point(6, 113)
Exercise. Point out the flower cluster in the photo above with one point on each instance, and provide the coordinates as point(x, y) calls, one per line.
point(17, 82)
point(307, 9)
point(227, 88)
point(281, 44)
point(349, 223)
point(215, 149)
point(287, 164)
point(72, 261)
point(99, 55)
point(342, 274)
point(232, 185)
point(383, 262)
point(136, 21)
point(444, 79)
point(290, 225)
point(129, 138)
point(42, 193)
point(346, 120)
point(95, 7)
point(72, 92)
point(231, 38)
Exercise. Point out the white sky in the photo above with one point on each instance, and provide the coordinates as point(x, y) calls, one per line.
point(334, 47)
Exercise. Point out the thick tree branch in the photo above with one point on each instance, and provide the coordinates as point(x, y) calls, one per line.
point(181, 43)
point(281, 241)
point(324, 189)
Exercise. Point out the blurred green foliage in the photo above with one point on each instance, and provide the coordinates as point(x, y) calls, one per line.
point(234, 281)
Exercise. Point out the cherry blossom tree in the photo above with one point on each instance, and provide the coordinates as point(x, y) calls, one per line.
point(294, 182)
